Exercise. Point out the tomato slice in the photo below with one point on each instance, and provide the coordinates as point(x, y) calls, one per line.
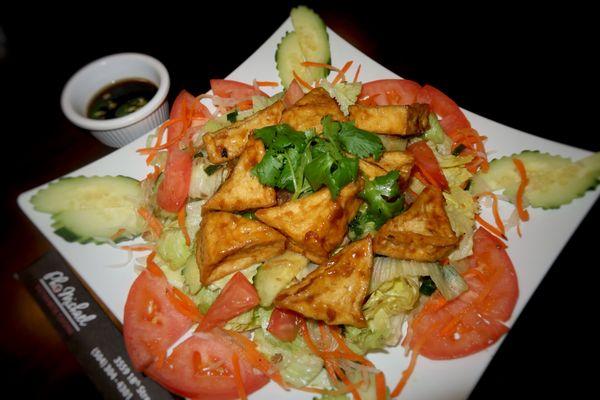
point(151, 322)
point(237, 297)
point(174, 188)
point(452, 117)
point(474, 320)
point(427, 163)
point(284, 324)
point(201, 368)
point(234, 89)
point(292, 94)
point(391, 91)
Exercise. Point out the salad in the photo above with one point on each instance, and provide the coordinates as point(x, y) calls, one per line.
point(291, 235)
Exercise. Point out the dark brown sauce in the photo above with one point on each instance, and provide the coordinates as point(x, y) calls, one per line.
point(121, 98)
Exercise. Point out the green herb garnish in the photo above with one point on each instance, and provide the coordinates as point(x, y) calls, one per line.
point(427, 286)
point(232, 116)
point(301, 162)
point(383, 201)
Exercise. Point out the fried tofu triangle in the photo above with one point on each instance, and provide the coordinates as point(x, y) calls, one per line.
point(423, 233)
point(316, 224)
point(242, 190)
point(391, 120)
point(227, 243)
point(389, 161)
point(334, 292)
point(307, 112)
point(229, 142)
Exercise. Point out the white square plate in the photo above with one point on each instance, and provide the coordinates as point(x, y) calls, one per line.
point(544, 235)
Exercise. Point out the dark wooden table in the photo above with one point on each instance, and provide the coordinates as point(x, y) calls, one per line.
point(513, 66)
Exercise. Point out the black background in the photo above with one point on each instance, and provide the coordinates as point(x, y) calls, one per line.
point(528, 69)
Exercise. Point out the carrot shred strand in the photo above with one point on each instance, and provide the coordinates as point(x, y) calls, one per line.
point(302, 81)
point(319, 65)
point(523, 214)
point(239, 383)
point(152, 267)
point(342, 74)
point(357, 73)
point(181, 223)
point(153, 223)
point(406, 374)
point(489, 227)
point(267, 83)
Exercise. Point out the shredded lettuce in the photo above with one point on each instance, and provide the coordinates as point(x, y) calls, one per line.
point(438, 139)
point(385, 312)
point(460, 208)
point(448, 281)
point(262, 102)
point(295, 362)
point(249, 273)
point(345, 93)
point(172, 249)
point(456, 176)
point(193, 217)
point(204, 298)
point(249, 320)
point(387, 269)
point(465, 247)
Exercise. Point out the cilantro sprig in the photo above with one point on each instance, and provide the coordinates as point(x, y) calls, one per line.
point(302, 162)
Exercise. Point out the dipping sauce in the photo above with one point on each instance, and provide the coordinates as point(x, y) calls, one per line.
point(121, 98)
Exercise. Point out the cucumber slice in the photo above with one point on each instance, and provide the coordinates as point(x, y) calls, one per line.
point(97, 225)
point(553, 180)
point(93, 209)
point(88, 192)
point(313, 38)
point(289, 57)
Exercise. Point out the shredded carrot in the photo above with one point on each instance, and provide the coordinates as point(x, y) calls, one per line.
point(309, 341)
point(523, 214)
point(154, 174)
point(380, 387)
point(181, 223)
point(184, 304)
point(267, 83)
point(161, 132)
point(239, 383)
point(256, 359)
point(357, 73)
point(341, 75)
point(347, 382)
point(519, 229)
point(319, 65)
point(152, 267)
point(406, 374)
point(489, 227)
point(244, 105)
point(164, 146)
point(153, 223)
point(138, 247)
point(302, 81)
point(117, 234)
point(495, 211)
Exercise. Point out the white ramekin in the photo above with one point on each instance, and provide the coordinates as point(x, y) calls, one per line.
point(116, 132)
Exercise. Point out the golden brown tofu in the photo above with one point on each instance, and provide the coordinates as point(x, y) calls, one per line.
point(389, 161)
point(242, 190)
point(334, 292)
point(316, 224)
point(422, 233)
point(227, 243)
point(229, 142)
point(391, 120)
point(307, 112)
